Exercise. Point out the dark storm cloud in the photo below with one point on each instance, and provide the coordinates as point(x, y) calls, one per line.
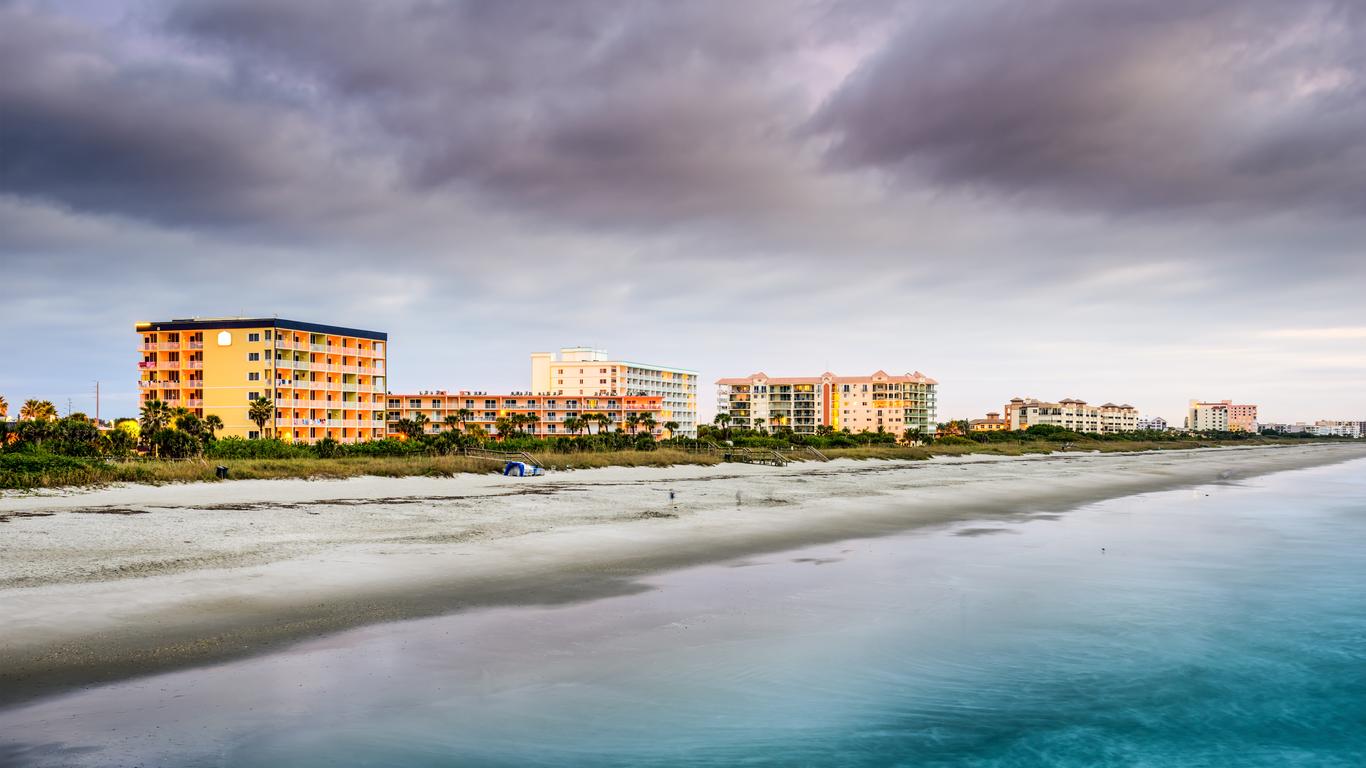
point(1121, 105)
point(88, 126)
point(598, 111)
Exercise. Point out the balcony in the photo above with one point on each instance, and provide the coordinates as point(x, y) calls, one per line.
point(194, 344)
point(194, 364)
point(194, 403)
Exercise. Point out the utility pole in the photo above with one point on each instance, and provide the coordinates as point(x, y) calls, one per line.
point(97, 403)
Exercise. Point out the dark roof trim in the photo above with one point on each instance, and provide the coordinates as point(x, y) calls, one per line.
point(261, 322)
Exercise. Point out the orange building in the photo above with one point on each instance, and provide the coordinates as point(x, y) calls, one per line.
point(323, 380)
point(484, 410)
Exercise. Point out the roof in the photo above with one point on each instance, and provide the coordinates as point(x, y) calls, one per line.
point(915, 377)
point(207, 323)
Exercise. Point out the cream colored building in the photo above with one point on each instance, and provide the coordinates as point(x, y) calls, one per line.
point(1223, 416)
point(586, 372)
point(880, 402)
point(1070, 413)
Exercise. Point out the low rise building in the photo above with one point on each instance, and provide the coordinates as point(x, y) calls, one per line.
point(1221, 416)
point(1070, 413)
point(441, 411)
point(992, 423)
point(1152, 424)
point(880, 402)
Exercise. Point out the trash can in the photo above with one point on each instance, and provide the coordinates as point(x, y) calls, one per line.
point(221, 471)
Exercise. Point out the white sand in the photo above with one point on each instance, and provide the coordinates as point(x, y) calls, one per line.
point(96, 585)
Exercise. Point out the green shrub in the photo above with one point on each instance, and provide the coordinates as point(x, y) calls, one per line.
point(243, 448)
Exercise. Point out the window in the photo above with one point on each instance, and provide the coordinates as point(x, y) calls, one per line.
point(253, 337)
point(254, 376)
point(267, 335)
point(253, 435)
point(253, 357)
point(253, 396)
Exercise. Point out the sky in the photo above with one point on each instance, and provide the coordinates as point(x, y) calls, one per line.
point(1141, 201)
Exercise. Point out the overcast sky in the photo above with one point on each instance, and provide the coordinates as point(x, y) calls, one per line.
point(1141, 201)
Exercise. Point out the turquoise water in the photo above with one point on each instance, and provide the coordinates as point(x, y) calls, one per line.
point(1219, 626)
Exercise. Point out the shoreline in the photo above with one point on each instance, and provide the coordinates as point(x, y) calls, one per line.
point(273, 562)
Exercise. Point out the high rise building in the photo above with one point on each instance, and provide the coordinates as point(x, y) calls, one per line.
point(1073, 414)
point(323, 380)
point(1223, 416)
point(583, 372)
point(878, 402)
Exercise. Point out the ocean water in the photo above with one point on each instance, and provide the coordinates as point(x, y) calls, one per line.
point(1217, 626)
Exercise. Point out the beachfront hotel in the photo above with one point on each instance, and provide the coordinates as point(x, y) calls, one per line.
point(1070, 413)
point(1223, 416)
point(324, 380)
point(484, 410)
point(584, 372)
point(879, 402)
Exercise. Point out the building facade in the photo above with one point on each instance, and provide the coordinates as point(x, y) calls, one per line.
point(1152, 424)
point(486, 410)
point(1070, 413)
point(992, 423)
point(877, 403)
point(323, 380)
point(1222, 416)
point(583, 372)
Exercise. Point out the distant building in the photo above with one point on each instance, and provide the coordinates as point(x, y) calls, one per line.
point(485, 410)
point(1222, 416)
point(323, 380)
point(1152, 424)
point(878, 402)
point(583, 372)
point(992, 423)
point(1069, 413)
point(1327, 428)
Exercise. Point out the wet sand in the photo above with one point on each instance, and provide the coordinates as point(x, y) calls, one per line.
point(102, 585)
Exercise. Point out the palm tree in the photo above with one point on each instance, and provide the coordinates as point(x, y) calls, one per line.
point(722, 420)
point(4, 408)
point(261, 411)
point(648, 422)
point(464, 415)
point(38, 410)
point(587, 420)
point(504, 426)
point(212, 424)
point(672, 426)
point(603, 421)
point(633, 421)
point(452, 422)
point(420, 423)
point(477, 432)
point(155, 416)
point(405, 427)
point(531, 421)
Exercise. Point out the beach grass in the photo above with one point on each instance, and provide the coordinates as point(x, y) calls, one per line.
point(20, 471)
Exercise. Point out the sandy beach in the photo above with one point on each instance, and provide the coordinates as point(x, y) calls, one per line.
point(105, 584)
